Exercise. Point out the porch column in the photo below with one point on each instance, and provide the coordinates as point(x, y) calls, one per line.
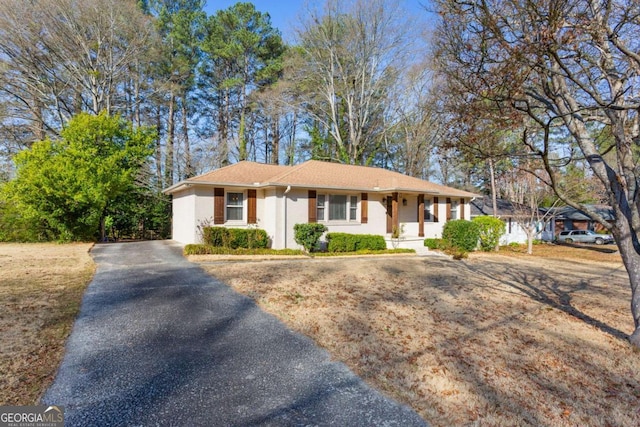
point(394, 212)
point(420, 215)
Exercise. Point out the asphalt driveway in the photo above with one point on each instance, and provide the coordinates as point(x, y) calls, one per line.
point(159, 342)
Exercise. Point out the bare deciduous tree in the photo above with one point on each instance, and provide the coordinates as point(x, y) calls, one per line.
point(573, 64)
point(62, 57)
point(352, 54)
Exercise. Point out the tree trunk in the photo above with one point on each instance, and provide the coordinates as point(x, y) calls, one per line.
point(223, 127)
point(242, 140)
point(629, 248)
point(168, 159)
point(39, 131)
point(158, 149)
point(291, 154)
point(494, 197)
point(188, 170)
point(275, 147)
point(136, 97)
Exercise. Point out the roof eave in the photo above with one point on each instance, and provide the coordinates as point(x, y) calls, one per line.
point(188, 184)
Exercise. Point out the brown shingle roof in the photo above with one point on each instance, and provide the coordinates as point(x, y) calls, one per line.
point(241, 173)
point(324, 175)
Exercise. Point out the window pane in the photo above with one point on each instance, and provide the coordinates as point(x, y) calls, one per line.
point(234, 206)
point(320, 207)
point(353, 208)
point(427, 210)
point(337, 208)
point(234, 214)
point(234, 199)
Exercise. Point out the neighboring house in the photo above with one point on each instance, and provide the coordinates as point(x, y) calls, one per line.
point(346, 198)
point(569, 218)
point(512, 214)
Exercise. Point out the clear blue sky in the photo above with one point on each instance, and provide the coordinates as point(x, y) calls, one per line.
point(284, 13)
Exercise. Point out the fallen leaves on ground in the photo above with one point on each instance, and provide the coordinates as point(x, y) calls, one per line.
point(41, 286)
point(491, 340)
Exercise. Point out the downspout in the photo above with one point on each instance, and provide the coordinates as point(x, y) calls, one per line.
point(285, 214)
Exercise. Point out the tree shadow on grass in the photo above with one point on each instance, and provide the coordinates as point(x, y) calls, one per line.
point(544, 288)
point(605, 249)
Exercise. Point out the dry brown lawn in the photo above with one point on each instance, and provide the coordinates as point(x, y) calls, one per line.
point(41, 286)
point(492, 340)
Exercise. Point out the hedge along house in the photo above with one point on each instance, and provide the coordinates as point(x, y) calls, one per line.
point(346, 198)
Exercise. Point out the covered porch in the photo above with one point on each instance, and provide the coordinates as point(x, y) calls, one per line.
point(412, 215)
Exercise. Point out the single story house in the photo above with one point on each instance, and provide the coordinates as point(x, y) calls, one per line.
point(570, 218)
point(512, 214)
point(346, 198)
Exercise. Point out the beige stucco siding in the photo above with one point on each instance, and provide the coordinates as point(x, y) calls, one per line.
point(194, 207)
point(183, 226)
point(191, 208)
point(269, 213)
point(297, 203)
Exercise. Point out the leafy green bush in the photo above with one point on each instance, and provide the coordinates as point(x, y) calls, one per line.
point(345, 242)
point(368, 252)
point(63, 188)
point(235, 237)
point(461, 234)
point(308, 235)
point(490, 229)
point(433, 243)
point(198, 249)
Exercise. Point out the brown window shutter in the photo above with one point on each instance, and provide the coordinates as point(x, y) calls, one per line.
point(420, 215)
point(218, 205)
point(435, 209)
point(312, 206)
point(448, 209)
point(252, 215)
point(461, 208)
point(364, 208)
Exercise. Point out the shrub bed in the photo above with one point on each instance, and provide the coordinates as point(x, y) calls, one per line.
point(197, 249)
point(345, 242)
point(234, 238)
point(368, 252)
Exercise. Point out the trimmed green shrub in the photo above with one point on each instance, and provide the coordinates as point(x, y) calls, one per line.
point(198, 249)
point(433, 243)
point(367, 252)
point(345, 242)
point(461, 234)
point(308, 235)
point(490, 229)
point(235, 237)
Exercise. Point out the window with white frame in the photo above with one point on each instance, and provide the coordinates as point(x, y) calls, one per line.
point(353, 208)
point(428, 205)
point(234, 206)
point(320, 205)
point(454, 209)
point(336, 207)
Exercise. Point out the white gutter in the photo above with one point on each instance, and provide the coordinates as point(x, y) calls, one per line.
point(284, 216)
